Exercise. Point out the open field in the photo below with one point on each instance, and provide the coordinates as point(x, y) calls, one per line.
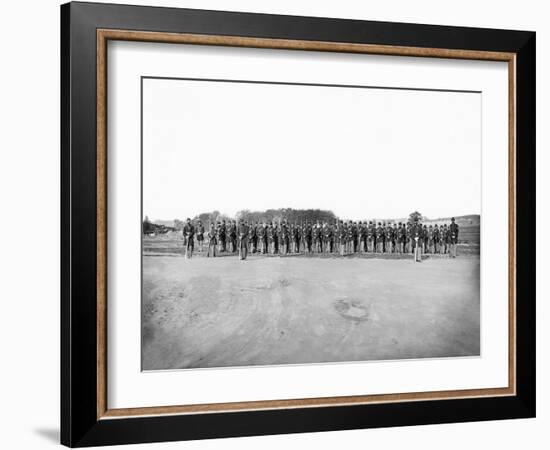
point(221, 312)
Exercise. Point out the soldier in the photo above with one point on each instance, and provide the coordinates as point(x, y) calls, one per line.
point(285, 241)
point(424, 238)
point(296, 235)
point(269, 233)
point(417, 236)
point(276, 240)
point(253, 237)
point(379, 238)
point(389, 238)
point(443, 239)
point(233, 236)
point(402, 237)
point(354, 237)
point(436, 239)
point(222, 236)
point(395, 238)
point(200, 235)
point(453, 237)
point(329, 238)
point(212, 241)
point(371, 237)
point(189, 238)
point(308, 236)
point(243, 231)
point(261, 234)
point(342, 237)
point(408, 239)
point(430, 240)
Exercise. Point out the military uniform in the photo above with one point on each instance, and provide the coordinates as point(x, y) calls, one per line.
point(417, 236)
point(200, 235)
point(243, 231)
point(436, 239)
point(453, 237)
point(212, 242)
point(371, 238)
point(379, 239)
point(189, 238)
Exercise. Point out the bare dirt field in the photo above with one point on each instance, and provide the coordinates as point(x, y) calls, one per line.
point(220, 312)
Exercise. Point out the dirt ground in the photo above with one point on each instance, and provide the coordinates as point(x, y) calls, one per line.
point(221, 312)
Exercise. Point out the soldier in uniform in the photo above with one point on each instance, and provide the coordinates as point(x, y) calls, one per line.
point(453, 237)
point(395, 238)
point(243, 231)
point(212, 241)
point(389, 238)
point(222, 236)
point(354, 238)
point(261, 234)
point(233, 236)
point(402, 238)
point(443, 239)
point(430, 240)
point(417, 237)
point(269, 234)
point(379, 238)
point(371, 237)
point(436, 239)
point(308, 236)
point(189, 238)
point(276, 241)
point(285, 241)
point(424, 238)
point(200, 235)
point(342, 237)
point(253, 237)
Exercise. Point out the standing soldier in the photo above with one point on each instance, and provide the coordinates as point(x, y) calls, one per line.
point(430, 240)
point(308, 235)
point(243, 231)
point(253, 237)
point(424, 239)
point(200, 235)
point(233, 236)
point(436, 239)
point(443, 232)
point(260, 233)
point(285, 241)
point(297, 237)
point(223, 236)
point(275, 239)
point(395, 238)
point(371, 237)
point(402, 237)
point(417, 236)
point(212, 241)
point(189, 237)
point(379, 238)
point(270, 238)
point(354, 237)
point(389, 238)
point(329, 238)
point(409, 239)
point(343, 233)
point(453, 237)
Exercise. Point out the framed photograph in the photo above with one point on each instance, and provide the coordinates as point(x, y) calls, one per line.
point(277, 224)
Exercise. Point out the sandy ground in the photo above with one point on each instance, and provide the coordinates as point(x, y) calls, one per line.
point(225, 312)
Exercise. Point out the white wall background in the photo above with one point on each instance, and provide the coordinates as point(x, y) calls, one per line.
point(29, 190)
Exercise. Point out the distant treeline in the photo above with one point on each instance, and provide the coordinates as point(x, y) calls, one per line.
point(155, 228)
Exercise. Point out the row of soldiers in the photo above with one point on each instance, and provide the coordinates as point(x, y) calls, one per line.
point(340, 237)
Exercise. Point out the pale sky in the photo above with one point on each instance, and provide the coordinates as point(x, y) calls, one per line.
point(360, 152)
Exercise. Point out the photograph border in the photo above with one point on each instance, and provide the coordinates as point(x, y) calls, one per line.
point(95, 25)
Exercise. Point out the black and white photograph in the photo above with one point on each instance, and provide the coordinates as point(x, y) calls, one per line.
point(295, 223)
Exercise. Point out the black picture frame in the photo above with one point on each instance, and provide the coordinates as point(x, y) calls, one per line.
point(80, 425)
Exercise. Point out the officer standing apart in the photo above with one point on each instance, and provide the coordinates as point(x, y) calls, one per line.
point(189, 236)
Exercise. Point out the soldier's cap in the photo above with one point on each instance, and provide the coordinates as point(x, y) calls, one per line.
point(452, 219)
point(188, 219)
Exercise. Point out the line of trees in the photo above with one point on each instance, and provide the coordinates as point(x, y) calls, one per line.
point(269, 215)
